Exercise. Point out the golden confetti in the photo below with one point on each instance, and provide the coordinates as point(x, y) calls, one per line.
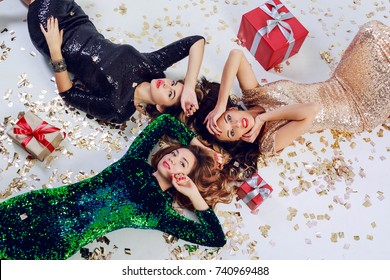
point(127, 251)
point(293, 212)
point(333, 237)
point(264, 230)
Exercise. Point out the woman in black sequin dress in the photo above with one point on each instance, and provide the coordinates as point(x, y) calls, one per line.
point(115, 77)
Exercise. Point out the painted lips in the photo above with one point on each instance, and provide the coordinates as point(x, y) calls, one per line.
point(245, 122)
point(159, 83)
point(166, 165)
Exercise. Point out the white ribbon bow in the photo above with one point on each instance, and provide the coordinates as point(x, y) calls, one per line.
point(257, 189)
point(278, 20)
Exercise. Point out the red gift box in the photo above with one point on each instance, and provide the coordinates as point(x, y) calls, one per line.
point(36, 136)
point(271, 33)
point(253, 191)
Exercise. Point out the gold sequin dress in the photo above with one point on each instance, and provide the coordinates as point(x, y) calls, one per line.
point(355, 98)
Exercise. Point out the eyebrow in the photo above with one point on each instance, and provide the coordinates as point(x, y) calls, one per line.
point(174, 91)
point(227, 131)
point(184, 158)
point(186, 161)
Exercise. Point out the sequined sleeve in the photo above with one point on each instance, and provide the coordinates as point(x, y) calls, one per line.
point(174, 52)
point(97, 106)
point(163, 125)
point(206, 232)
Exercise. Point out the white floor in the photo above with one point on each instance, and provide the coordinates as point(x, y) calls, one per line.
point(327, 203)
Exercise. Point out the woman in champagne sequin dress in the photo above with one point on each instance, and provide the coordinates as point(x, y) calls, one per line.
point(356, 98)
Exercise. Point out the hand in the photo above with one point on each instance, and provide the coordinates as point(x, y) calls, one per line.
point(189, 102)
point(53, 35)
point(252, 134)
point(184, 185)
point(211, 120)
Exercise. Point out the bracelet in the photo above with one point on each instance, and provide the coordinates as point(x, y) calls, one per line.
point(58, 66)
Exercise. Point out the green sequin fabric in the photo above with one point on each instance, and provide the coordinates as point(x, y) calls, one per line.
point(56, 223)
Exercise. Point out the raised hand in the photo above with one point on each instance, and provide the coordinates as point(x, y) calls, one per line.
point(211, 120)
point(53, 35)
point(184, 185)
point(189, 102)
point(252, 134)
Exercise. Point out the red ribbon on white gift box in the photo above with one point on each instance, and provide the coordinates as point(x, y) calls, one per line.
point(278, 20)
point(38, 133)
point(257, 189)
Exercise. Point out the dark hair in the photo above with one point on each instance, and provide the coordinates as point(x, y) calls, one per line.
point(244, 154)
point(205, 174)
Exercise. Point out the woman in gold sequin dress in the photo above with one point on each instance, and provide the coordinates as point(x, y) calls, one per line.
point(356, 98)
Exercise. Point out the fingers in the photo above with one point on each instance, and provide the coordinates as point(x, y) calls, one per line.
point(213, 128)
point(42, 28)
point(180, 179)
point(51, 24)
point(190, 109)
point(218, 157)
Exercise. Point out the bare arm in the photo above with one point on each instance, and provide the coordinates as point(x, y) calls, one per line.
point(194, 62)
point(53, 38)
point(301, 117)
point(236, 66)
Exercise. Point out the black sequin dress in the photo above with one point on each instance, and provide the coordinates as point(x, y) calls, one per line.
point(55, 223)
point(108, 71)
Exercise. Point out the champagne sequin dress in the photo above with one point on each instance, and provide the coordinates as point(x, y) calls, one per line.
point(55, 223)
point(354, 99)
point(109, 72)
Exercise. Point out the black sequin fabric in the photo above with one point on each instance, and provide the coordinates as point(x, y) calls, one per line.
point(109, 72)
point(55, 223)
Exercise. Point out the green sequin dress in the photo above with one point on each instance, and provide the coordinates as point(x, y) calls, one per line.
point(56, 223)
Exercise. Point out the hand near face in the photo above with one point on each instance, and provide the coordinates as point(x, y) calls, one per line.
point(252, 134)
point(184, 185)
point(189, 102)
point(53, 35)
point(211, 121)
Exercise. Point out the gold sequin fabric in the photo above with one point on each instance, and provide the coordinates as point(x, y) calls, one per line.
point(355, 98)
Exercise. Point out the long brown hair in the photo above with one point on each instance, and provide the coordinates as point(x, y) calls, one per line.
point(243, 155)
point(205, 174)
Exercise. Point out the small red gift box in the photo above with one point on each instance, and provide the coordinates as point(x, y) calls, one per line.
point(271, 33)
point(36, 136)
point(253, 191)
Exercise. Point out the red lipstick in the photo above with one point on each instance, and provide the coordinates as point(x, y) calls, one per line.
point(245, 122)
point(166, 165)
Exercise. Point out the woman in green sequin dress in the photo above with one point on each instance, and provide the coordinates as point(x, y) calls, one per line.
point(55, 223)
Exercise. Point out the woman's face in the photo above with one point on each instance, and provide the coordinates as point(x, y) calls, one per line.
point(234, 124)
point(179, 161)
point(166, 92)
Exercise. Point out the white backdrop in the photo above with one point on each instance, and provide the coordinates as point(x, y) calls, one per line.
point(327, 203)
